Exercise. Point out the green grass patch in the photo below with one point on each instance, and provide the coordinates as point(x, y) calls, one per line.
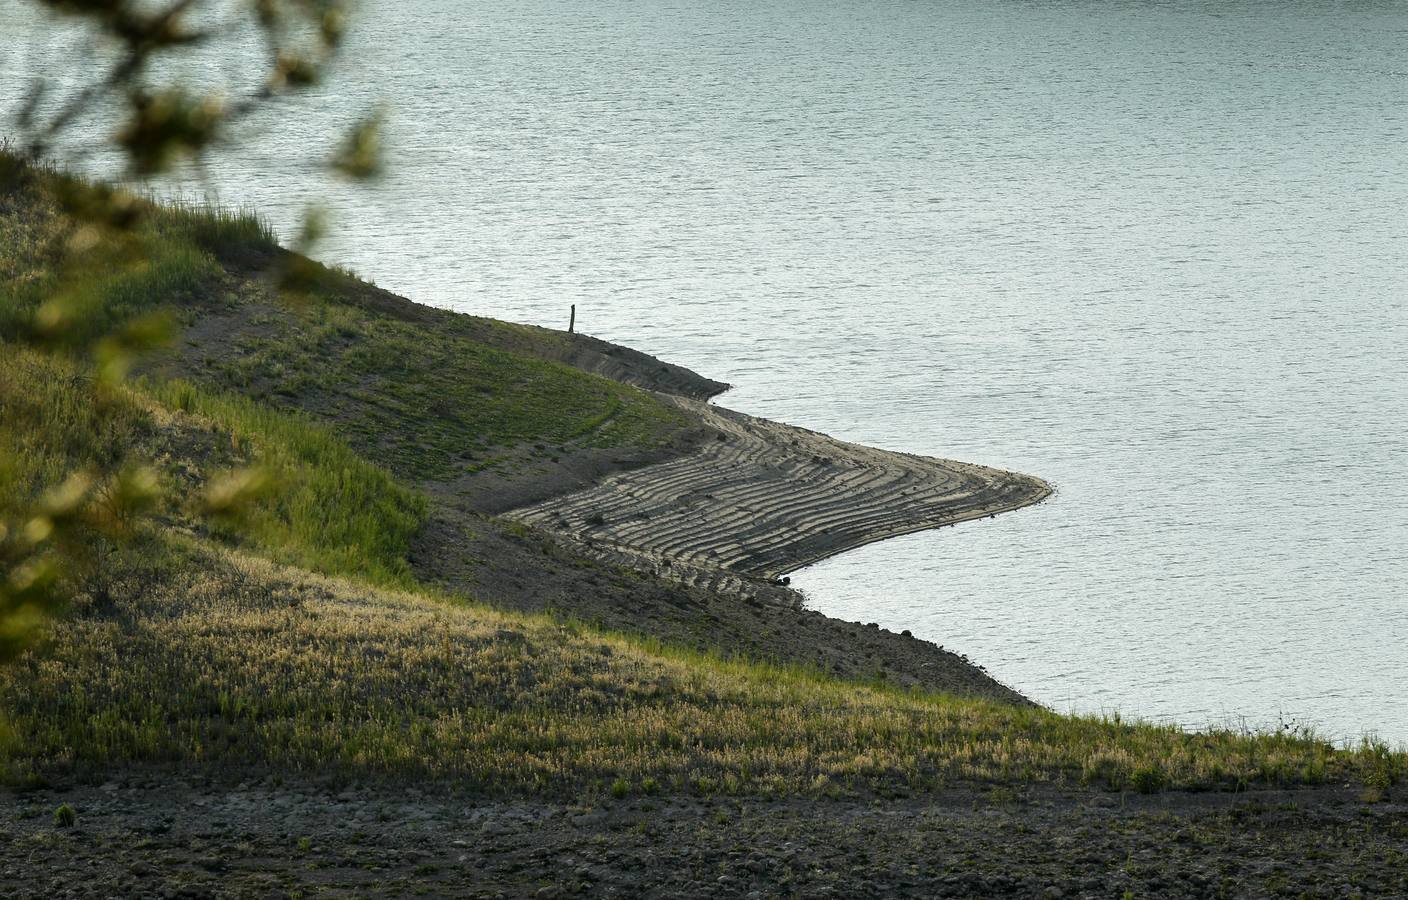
point(328, 509)
point(427, 399)
point(222, 231)
point(53, 420)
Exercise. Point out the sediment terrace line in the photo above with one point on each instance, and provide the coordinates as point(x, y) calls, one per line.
point(767, 498)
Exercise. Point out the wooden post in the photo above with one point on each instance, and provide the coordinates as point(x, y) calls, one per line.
point(572, 322)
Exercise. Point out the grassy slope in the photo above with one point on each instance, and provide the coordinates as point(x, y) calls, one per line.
point(328, 509)
point(210, 657)
point(202, 655)
point(425, 399)
point(429, 395)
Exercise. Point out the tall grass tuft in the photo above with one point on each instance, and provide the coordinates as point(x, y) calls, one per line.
point(222, 230)
point(328, 509)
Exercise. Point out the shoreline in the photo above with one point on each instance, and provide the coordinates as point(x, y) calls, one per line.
point(764, 499)
point(879, 537)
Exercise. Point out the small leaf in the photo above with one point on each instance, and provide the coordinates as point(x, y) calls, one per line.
point(229, 494)
point(38, 530)
point(66, 500)
point(166, 125)
point(292, 70)
point(360, 154)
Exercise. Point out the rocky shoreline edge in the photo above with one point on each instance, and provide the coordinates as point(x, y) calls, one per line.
point(762, 499)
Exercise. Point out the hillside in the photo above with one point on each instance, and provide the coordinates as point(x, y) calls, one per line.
point(477, 415)
point(372, 626)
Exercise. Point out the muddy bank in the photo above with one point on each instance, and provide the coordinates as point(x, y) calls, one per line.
point(690, 546)
point(762, 499)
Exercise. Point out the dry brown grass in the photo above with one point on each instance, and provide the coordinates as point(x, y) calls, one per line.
point(210, 658)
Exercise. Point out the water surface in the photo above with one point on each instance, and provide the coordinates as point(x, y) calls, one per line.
point(1152, 252)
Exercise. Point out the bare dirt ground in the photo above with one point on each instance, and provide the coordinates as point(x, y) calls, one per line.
point(152, 835)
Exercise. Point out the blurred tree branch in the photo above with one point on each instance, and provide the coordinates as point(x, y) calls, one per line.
point(47, 544)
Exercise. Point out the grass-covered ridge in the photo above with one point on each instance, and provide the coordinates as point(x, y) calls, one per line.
point(222, 659)
point(164, 259)
point(429, 399)
point(432, 395)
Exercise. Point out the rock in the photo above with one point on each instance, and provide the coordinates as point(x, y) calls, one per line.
point(589, 819)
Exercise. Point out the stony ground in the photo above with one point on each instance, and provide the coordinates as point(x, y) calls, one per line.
point(150, 835)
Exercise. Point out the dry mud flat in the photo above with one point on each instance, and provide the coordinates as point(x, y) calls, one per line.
point(154, 836)
point(764, 498)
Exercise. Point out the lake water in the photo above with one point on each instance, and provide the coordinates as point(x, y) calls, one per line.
point(1154, 252)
